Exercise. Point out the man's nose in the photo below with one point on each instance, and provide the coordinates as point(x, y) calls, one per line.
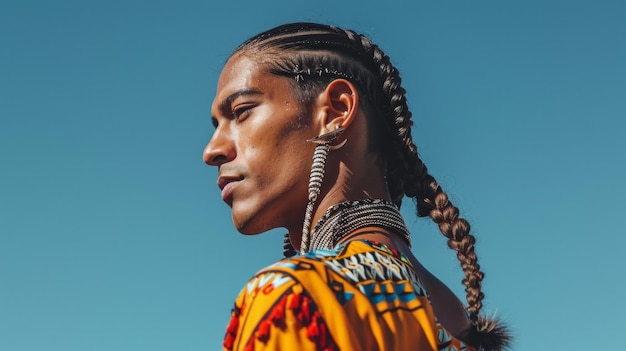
point(219, 150)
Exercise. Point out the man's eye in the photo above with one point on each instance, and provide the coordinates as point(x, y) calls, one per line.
point(242, 111)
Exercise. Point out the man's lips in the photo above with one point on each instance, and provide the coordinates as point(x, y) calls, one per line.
point(227, 184)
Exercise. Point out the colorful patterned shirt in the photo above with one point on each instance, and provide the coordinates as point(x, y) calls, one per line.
point(359, 296)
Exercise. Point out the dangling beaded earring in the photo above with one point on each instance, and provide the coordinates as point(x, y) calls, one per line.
point(315, 181)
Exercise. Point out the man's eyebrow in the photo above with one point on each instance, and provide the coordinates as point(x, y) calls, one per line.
point(225, 104)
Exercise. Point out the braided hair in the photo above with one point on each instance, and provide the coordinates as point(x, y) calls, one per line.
point(314, 55)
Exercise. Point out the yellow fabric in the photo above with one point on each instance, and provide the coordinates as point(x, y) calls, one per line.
point(360, 296)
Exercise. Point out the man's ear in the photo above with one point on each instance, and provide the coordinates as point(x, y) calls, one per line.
point(337, 105)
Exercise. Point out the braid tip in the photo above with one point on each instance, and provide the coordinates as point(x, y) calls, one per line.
point(490, 334)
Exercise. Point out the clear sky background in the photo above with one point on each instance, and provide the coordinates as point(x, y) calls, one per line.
point(112, 232)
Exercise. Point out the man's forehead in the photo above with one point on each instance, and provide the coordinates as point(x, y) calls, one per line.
point(241, 76)
point(236, 75)
point(237, 71)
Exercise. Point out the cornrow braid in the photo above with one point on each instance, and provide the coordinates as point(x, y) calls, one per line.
point(416, 182)
point(314, 55)
point(419, 184)
point(396, 116)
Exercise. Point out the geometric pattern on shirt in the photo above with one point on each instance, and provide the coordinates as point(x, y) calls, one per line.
point(381, 275)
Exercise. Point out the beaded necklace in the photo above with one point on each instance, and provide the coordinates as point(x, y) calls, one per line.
point(344, 218)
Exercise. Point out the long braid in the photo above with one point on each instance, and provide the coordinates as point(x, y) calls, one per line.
point(410, 177)
point(415, 180)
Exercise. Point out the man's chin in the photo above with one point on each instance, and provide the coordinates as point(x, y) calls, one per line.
point(250, 219)
point(245, 231)
point(249, 226)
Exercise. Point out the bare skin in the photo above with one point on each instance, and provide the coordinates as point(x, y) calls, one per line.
point(257, 145)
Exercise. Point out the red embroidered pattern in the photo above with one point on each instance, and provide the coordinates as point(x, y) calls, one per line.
point(307, 314)
point(233, 326)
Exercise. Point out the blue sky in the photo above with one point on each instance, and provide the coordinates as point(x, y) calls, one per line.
point(112, 232)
